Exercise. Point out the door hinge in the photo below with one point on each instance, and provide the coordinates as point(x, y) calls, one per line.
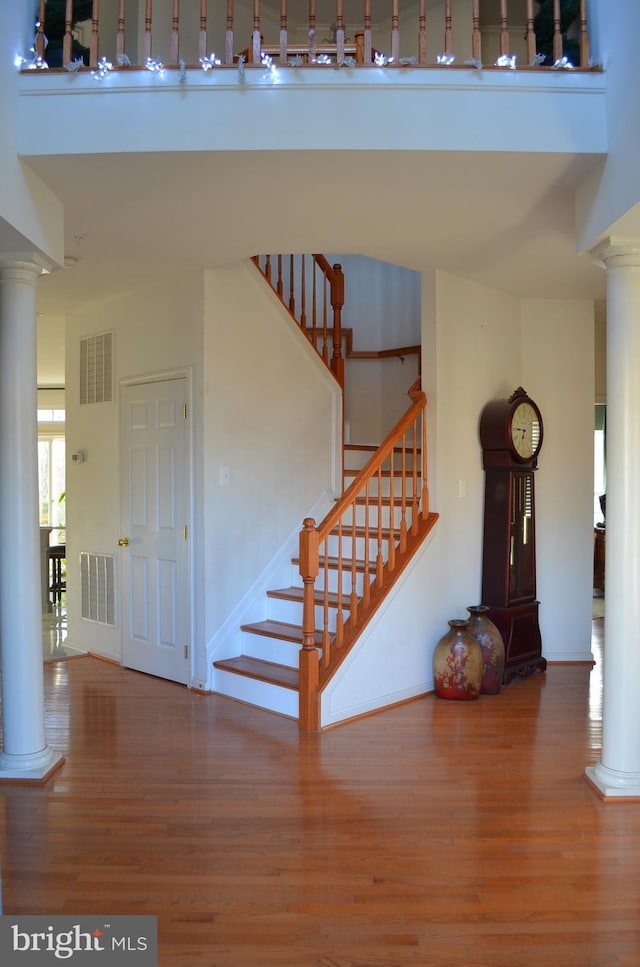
point(184, 531)
point(186, 652)
point(184, 411)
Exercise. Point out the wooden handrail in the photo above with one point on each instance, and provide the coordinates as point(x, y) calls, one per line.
point(352, 40)
point(387, 547)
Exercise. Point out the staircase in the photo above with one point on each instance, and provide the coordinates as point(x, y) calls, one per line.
point(349, 562)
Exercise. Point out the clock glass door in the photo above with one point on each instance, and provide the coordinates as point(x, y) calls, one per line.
point(521, 548)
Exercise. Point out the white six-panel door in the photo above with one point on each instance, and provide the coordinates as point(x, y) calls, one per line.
point(154, 518)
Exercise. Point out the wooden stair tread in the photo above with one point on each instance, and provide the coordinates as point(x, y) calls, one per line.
point(297, 594)
point(279, 629)
point(264, 671)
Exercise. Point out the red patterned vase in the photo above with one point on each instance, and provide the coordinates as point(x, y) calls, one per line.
point(490, 640)
point(457, 663)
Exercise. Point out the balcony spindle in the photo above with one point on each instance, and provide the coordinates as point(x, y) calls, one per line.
point(94, 46)
point(148, 16)
point(67, 41)
point(530, 34)
point(367, 31)
point(280, 284)
point(120, 36)
point(303, 298)
point(557, 31)
point(174, 46)
point(312, 30)
point(395, 31)
point(340, 31)
point(337, 302)
point(292, 269)
point(476, 39)
point(584, 36)
point(422, 31)
point(40, 30)
point(504, 29)
point(448, 20)
point(228, 37)
point(283, 31)
point(256, 39)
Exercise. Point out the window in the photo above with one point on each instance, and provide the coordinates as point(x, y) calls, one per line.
point(599, 462)
point(51, 472)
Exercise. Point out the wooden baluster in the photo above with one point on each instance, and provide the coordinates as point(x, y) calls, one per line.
point(422, 31)
point(314, 310)
point(120, 36)
point(202, 35)
point(353, 602)
point(359, 41)
point(530, 34)
point(340, 31)
point(256, 39)
point(325, 322)
point(312, 30)
point(283, 31)
point(146, 47)
point(40, 30)
point(403, 514)
point(367, 31)
point(67, 40)
point(340, 613)
point(392, 505)
point(94, 51)
point(280, 286)
point(366, 583)
point(174, 45)
point(504, 29)
point(303, 298)
point(448, 18)
point(228, 37)
point(267, 269)
point(326, 636)
point(308, 709)
point(337, 302)
point(292, 298)
point(557, 32)
point(584, 35)
point(395, 31)
point(476, 38)
point(379, 557)
point(414, 480)
point(425, 479)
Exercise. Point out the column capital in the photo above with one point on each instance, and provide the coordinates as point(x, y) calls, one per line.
point(617, 252)
point(22, 266)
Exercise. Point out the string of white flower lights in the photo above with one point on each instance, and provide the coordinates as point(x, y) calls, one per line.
point(102, 69)
point(155, 66)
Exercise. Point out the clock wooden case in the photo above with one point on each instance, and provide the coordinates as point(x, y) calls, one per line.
point(511, 434)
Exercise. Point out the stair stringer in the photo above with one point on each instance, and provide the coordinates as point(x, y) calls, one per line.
point(226, 642)
point(375, 673)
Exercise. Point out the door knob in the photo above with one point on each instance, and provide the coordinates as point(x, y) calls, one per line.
point(123, 542)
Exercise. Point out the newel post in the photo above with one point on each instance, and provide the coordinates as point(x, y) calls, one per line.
point(308, 709)
point(337, 302)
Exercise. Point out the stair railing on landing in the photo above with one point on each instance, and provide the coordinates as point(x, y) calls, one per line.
point(313, 292)
point(402, 460)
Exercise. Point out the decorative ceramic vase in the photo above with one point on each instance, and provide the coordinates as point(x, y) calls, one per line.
point(490, 640)
point(458, 663)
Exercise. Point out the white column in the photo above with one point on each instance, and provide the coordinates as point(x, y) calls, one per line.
point(617, 774)
point(24, 754)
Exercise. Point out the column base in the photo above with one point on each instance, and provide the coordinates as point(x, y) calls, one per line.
point(30, 768)
point(611, 785)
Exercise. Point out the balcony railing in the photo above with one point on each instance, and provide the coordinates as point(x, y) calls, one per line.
point(159, 34)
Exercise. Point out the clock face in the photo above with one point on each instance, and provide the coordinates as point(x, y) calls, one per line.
point(525, 430)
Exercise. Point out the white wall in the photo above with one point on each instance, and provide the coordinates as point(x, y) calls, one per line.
point(557, 370)
point(156, 329)
point(272, 415)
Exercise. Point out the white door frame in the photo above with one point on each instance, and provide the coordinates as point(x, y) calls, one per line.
point(161, 376)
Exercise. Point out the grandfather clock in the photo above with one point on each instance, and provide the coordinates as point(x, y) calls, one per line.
point(511, 438)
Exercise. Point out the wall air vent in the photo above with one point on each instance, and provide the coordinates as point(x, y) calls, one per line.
point(97, 584)
point(96, 368)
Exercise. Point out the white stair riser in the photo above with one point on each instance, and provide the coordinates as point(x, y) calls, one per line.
point(333, 544)
point(385, 488)
point(266, 648)
point(290, 612)
point(254, 692)
point(385, 511)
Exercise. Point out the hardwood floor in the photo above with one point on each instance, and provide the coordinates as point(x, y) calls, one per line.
point(437, 833)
